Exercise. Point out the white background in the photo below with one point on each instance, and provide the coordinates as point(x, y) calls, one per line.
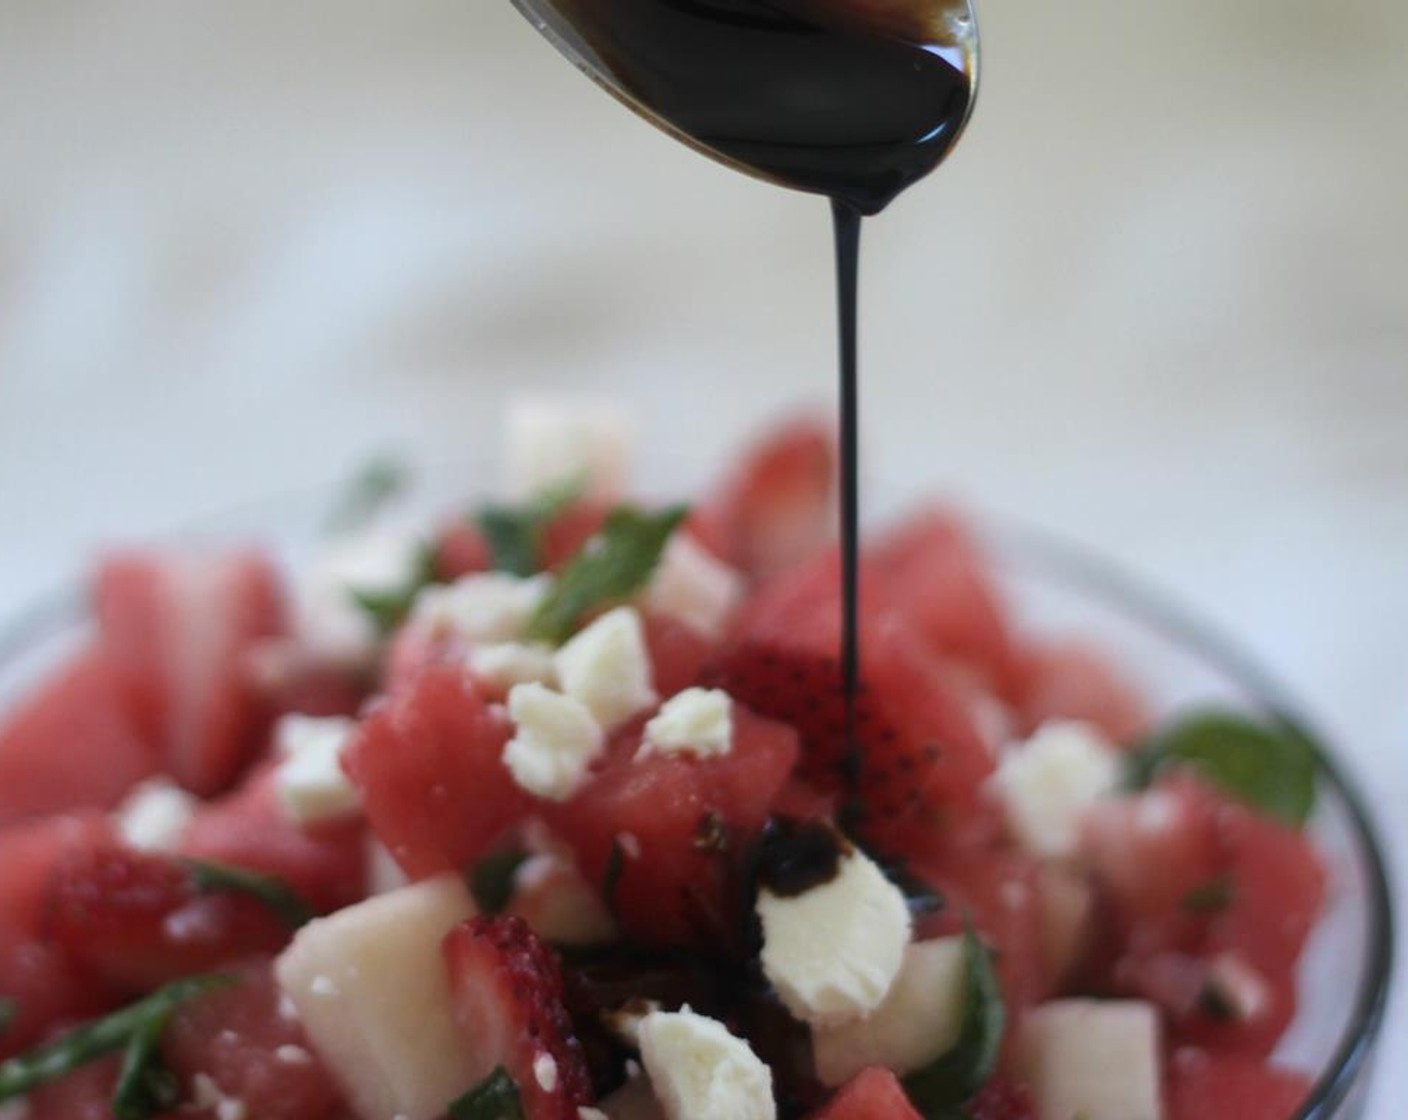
point(1157, 300)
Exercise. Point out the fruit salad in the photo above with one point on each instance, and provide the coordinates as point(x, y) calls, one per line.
point(554, 808)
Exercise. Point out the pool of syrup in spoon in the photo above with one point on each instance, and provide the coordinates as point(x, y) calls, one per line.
point(853, 99)
point(789, 90)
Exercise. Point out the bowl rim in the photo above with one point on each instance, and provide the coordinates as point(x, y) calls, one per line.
point(1021, 547)
point(1059, 558)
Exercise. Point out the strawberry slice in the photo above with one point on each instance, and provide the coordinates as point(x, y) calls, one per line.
point(249, 828)
point(919, 749)
point(873, 1094)
point(71, 744)
point(238, 1038)
point(181, 628)
point(508, 998)
point(430, 767)
point(778, 504)
point(137, 920)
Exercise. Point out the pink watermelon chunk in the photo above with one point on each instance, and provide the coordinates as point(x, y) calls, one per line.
point(71, 744)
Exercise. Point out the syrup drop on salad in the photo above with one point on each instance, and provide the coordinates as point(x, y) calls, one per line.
point(852, 99)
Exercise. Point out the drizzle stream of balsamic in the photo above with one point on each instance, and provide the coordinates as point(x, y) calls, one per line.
point(847, 222)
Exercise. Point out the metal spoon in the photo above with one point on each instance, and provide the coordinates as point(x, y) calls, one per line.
point(855, 99)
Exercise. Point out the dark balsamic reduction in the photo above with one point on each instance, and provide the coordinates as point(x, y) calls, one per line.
point(790, 90)
point(808, 94)
point(796, 856)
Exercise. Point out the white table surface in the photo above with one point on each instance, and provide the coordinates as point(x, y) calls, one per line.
point(1157, 299)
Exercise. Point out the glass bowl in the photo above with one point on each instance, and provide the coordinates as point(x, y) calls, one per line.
point(1054, 588)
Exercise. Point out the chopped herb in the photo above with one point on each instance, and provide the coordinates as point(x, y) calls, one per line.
point(491, 881)
point(9, 1012)
point(953, 1077)
point(1272, 768)
point(118, 1031)
point(278, 896)
point(494, 1098)
point(515, 533)
point(145, 1086)
point(612, 566)
point(367, 493)
point(1212, 897)
point(388, 608)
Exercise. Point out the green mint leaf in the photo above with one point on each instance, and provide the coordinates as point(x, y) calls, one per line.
point(9, 1012)
point(1269, 767)
point(494, 1098)
point(952, 1078)
point(491, 882)
point(515, 533)
point(99, 1038)
point(612, 566)
point(367, 494)
point(1212, 897)
point(388, 608)
point(278, 896)
point(145, 1086)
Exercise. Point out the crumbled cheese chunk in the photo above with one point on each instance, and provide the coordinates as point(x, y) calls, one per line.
point(701, 1072)
point(919, 1020)
point(554, 441)
point(585, 1113)
point(1048, 783)
point(692, 586)
point(482, 608)
point(833, 952)
point(697, 721)
point(501, 665)
point(555, 741)
point(607, 667)
point(1093, 1059)
point(310, 781)
point(374, 999)
point(291, 1055)
point(155, 815)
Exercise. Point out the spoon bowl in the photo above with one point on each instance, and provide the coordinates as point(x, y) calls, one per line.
point(854, 99)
